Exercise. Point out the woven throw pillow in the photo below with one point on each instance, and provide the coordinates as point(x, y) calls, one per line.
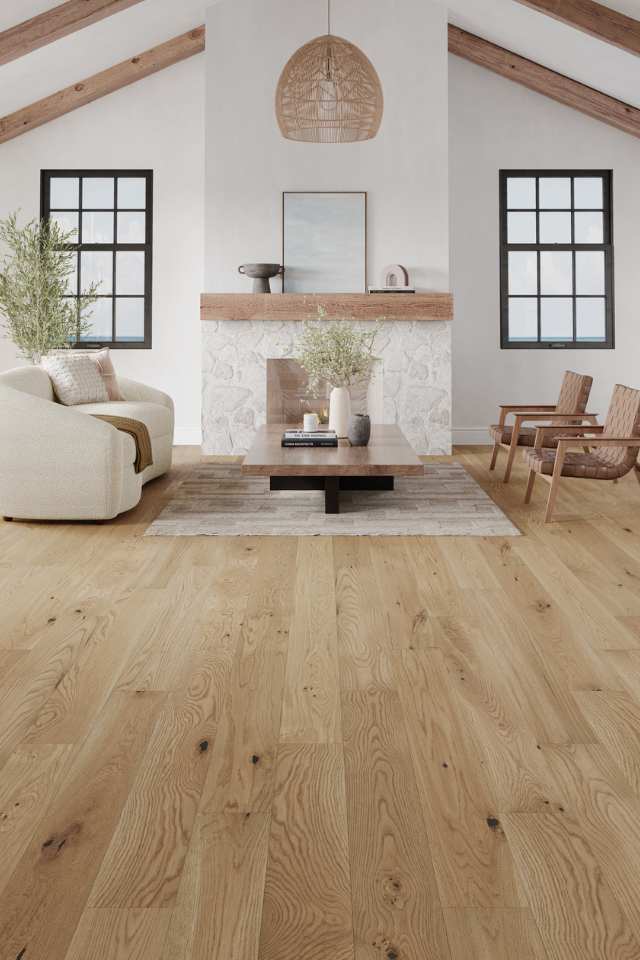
point(103, 359)
point(76, 378)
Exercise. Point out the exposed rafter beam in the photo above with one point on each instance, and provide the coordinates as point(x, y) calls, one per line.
point(100, 84)
point(55, 23)
point(594, 18)
point(595, 104)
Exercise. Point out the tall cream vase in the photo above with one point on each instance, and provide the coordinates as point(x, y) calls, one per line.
point(339, 410)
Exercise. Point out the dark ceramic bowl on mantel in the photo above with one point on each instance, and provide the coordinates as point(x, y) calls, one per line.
point(260, 273)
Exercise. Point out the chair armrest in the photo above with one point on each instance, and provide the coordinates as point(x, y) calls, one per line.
point(536, 415)
point(586, 430)
point(133, 390)
point(602, 441)
point(507, 408)
point(527, 406)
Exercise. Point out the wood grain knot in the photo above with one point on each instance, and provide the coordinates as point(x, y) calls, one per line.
point(135, 60)
point(79, 87)
point(392, 892)
point(53, 846)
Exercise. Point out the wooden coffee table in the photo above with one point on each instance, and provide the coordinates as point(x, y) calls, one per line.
point(333, 469)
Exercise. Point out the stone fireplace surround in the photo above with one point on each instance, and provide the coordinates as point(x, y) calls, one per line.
point(415, 370)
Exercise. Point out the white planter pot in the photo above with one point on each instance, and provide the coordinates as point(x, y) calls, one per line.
point(339, 410)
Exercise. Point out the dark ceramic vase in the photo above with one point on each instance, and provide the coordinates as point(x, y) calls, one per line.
point(359, 430)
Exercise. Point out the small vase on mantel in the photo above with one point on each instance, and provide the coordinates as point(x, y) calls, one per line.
point(339, 410)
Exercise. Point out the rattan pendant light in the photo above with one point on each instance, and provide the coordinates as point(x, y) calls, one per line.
point(329, 92)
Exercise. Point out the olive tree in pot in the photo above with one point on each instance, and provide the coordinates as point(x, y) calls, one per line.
point(37, 312)
point(341, 355)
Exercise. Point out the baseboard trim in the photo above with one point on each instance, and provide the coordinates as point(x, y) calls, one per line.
point(471, 435)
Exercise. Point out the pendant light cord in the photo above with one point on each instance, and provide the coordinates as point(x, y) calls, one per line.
point(329, 17)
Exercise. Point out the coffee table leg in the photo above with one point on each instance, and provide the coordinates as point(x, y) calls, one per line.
point(332, 495)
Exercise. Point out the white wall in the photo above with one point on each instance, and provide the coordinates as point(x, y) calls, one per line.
point(496, 124)
point(157, 123)
point(249, 164)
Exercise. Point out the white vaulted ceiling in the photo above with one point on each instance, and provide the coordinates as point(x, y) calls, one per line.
point(505, 22)
point(554, 44)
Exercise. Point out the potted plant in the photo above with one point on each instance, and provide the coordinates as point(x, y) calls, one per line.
point(341, 355)
point(39, 314)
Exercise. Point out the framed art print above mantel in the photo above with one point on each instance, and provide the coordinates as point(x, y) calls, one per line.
point(324, 241)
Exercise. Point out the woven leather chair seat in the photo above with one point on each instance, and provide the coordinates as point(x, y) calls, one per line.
point(526, 437)
point(591, 466)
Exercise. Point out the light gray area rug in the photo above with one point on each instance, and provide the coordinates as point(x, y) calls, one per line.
point(216, 500)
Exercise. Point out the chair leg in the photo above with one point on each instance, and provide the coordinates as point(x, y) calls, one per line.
point(494, 456)
point(553, 496)
point(532, 480)
point(513, 449)
point(558, 464)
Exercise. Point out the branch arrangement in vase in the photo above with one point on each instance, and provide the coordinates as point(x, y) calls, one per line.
point(38, 313)
point(339, 354)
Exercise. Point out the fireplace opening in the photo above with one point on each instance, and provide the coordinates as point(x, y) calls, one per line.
point(289, 395)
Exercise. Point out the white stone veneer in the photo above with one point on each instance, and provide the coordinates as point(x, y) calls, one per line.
point(416, 362)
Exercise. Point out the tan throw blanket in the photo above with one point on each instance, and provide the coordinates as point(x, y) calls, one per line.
point(140, 434)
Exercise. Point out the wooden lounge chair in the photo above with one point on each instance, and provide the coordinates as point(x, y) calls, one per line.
point(574, 394)
point(611, 454)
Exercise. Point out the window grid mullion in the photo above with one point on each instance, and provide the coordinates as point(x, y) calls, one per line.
point(538, 272)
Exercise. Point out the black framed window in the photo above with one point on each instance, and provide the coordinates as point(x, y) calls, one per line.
point(556, 259)
point(111, 212)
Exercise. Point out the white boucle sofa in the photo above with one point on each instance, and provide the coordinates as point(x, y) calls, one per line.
point(58, 463)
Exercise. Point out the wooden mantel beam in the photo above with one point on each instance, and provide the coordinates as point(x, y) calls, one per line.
point(593, 18)
point(53, 24)
point(592, 102)
point(103, 83)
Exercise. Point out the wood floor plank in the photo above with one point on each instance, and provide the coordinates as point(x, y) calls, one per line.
point(615, 718)
point(33, 680)
point(396, 907)
point(242, 766)
point(311, 706)
point(575, 911)
point(473, 865)
point(145, 859)
point(119, 935)
point(219, 905)
point(590, 612)
point(364, 640)
point(516, 773)
point(28, 782)
point(566, 654)
point(493, 935)
point(80, 693)
point(606, 811)
point(46, 894)
point(307, 912)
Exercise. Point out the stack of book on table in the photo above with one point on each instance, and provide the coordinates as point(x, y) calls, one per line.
point(309, 438)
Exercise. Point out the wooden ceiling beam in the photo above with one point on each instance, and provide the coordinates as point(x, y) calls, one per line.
point(530, 74)
point(103, 83)
point(53, 24)
point(595, 19)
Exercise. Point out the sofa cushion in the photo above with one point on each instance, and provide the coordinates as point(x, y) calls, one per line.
point(156, 417)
